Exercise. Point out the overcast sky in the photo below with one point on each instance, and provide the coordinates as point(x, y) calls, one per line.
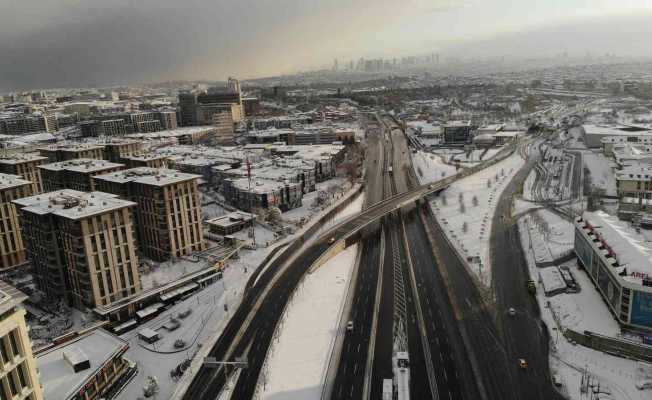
point(63, 43)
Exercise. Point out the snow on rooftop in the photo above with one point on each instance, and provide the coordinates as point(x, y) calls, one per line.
point(72, 204)
point(8, 181)
point(633, 250)
point(148, 176)
point(81, 165)
point(58, 377)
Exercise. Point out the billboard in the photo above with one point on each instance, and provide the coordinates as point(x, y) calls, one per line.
point(642, 309)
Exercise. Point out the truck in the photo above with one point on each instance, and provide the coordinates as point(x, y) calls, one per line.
point(531, 287)
point(388, 389)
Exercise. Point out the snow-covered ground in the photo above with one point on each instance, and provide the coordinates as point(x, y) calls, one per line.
point(298, 358)
point(580, 311)
point(430, 167)
point(206, 318)
point(549, 235)
point(601, 171)
point(465, 211)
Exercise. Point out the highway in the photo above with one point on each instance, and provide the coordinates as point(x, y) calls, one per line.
point(524, 335)
point(438, 293)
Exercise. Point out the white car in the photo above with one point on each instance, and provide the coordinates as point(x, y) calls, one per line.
point(349, 326)
point(511, 311)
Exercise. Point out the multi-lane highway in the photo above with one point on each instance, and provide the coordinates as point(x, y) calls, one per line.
point(451, 331)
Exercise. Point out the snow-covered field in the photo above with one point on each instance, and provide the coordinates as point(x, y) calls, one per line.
point(549, 235)
point(466, 209)
point(430, 167)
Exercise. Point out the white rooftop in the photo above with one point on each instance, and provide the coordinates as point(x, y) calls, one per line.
point(72, 204)
point(148, 176)
point(8, 181)
point(57, 376)
point(633, 250)
point(81, 165)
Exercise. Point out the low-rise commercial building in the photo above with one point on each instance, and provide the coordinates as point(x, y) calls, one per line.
point(88, 367)
point(82, 246)
point(230, 223)
point(616, 257)
point(457, 132)
point(262, 194)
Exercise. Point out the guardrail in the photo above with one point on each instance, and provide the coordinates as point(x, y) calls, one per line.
point(615, 346)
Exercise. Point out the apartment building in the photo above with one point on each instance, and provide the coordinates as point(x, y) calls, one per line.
point(25, 165)
point(151, 160)
point(168, 119)
point(64, 152)
point(19, 378)
point(117, 149)
point(12, 251)
point(75, 174)
point(224, 132)
point(82, 246)
point(169, 209)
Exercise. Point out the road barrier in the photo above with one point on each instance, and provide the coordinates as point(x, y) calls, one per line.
point(615, 346)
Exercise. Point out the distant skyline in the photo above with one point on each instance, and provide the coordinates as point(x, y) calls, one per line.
point(72, 43)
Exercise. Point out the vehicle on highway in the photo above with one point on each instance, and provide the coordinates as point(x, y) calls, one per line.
point(522, 363)
point(331, 240)
point(511, 311)
point(531, 287)
point(556, 380)
point(349, 326)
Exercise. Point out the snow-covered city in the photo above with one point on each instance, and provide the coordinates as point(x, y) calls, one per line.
point(206, 200)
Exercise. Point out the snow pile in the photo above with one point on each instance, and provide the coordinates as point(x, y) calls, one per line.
point(465, 211)
point(297, 360)
point(601, 172)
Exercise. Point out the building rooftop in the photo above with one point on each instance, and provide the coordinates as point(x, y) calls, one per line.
point(172, 132)
point(84, 165)
point(9, 181)
point(19, 158)
point(58, 378)
point(230, 219)
point(635, 172)
point(72, 204)
point(148, 176)
point(71, 147)
point(631, 249)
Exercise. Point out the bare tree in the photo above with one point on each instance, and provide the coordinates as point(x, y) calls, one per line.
point(462, 208)
point(475, 201)
point(465, 227)
point(443, 199)
point(489, 183)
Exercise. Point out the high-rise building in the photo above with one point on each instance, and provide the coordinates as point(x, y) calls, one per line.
point(26, 165)
point(12, 251)
point(223, 122)
point(75, 174)
point(188, 109)
point(233, 85)
point(19, 378)
point(168, 212)
point(117, 149)
point(82, 246)
point(168, 119)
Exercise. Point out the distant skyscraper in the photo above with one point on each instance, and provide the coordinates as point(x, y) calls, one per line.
point(335, 65)
point(351, 65)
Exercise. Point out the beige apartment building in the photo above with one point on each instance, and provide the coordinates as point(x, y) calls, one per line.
point(12, 251)
point(64, 152)
point(117, 149)
point(75, 174)
point(168, 212)
point(25, 165)
point(19, 378)
point(82, 246)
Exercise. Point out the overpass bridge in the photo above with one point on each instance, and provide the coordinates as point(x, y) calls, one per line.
point(251, 328)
